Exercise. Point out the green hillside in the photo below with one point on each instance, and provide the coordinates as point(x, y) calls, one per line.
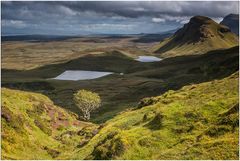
point(196, 122)
point(199, 36)
point(119, 92)
point(34, 128)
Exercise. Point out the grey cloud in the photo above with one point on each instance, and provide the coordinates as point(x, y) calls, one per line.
point(153, 8)
point(128, 9)
point(76, 15)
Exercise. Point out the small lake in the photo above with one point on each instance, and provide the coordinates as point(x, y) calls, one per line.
point(148, 59)
point(76, 75)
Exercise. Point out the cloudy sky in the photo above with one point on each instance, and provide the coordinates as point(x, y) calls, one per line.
point(126, 17)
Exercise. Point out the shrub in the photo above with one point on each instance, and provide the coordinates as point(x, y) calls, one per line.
point(60, 128)
point(232, 110)
point(6, 114)
point(218, 130)
point(41, 125)
point(87, 101)
point(87, 132)
point(230, 117)
point(145, 142)
point(52, 152)
point(145, 117)
point(82, 143)
point(232, 120)
point(36, 111)
point(109, 149)
point(14, 121)
point(183, 129)
point(145, 102)
point(156, 122)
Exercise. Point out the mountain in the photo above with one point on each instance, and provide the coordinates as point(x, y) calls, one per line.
point(150, 38)
point(36, 38)
point(154, 37)
point(232, 21)
point(200, 35)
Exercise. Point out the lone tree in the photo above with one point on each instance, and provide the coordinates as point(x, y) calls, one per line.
point(87, 101)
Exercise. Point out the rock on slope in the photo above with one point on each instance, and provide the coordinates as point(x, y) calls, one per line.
point(200, 35)
point(232, 21)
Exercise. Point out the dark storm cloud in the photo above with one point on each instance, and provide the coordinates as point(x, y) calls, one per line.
point(155, 8)
point(131, 9)
point(114, 15)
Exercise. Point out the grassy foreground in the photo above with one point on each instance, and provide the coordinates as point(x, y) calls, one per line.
point(196, 122)
point(34, 128)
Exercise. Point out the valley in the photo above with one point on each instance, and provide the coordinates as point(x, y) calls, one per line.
point(164, 96)
point(139, 80)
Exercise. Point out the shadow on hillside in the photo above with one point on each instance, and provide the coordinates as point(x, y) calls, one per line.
point(153, 79)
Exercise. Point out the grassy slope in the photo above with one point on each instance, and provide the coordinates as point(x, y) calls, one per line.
point(23, 55)
point(119, 92)
point(61, 91)
point(196, 122)
point(34, 128)
point(191, 43)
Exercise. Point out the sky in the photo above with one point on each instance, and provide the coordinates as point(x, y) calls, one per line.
point(109, 17)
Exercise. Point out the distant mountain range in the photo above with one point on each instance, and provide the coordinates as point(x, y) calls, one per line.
point(154, 37)
point(232, 21)
point(36, 38)
point(200, 35)
point(141, 37)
